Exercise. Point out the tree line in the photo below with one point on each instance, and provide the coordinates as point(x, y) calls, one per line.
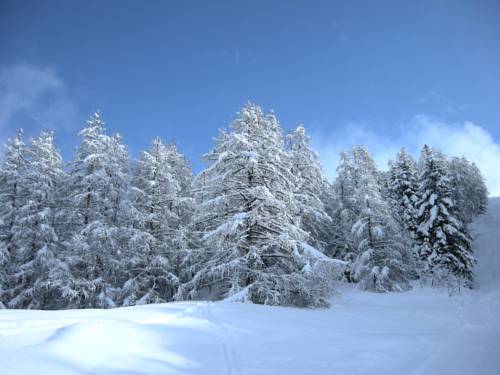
point(260, 223)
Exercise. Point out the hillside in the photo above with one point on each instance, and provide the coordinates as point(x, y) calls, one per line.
point(423, 331)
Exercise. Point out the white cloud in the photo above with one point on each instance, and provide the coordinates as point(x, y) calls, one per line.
point(37, 93)
point(454, 139)
point(329, 146)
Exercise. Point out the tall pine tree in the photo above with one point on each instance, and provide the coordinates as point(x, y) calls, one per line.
point(12, 172)
point(403, 189)
point(381, 250)
point(98, 181)
point(40, 277)
point(309, 188)
point(157, 222)
point(444, 242)
point(246, 216)
point(470, 194)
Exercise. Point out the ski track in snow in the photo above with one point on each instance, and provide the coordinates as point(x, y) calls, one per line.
point(421, 332)
point(227, 346)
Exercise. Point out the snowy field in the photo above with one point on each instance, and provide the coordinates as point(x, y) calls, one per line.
point(419, 332)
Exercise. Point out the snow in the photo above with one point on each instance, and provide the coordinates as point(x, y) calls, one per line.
point(424, 228)
point(313, 252)
point(486, 229)
point(228, 227)
point(423, 331)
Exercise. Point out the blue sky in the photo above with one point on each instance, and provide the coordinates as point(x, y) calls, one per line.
point(385, 73)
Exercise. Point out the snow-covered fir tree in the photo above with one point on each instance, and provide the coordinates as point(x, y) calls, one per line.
point(183, 205)
point(97, 183)
point(444, 242)
point(309, 189)
point(160, 182)
point(330, 203)
point(250, 236)
point(343, 208)
point(403, 189)
point(40, 279)
point(12, 172)
point(470, 194)
point(380, 248)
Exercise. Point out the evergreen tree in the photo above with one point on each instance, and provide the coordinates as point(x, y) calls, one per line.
point(444, 242)
point(98, 180)
point(246, 215)
point(469, 190)
point(310, 185)
point(344, 210)
point(12, 172)
point(478, 191)
point(331, 204)
point(403, 189)
point(381, 250)
point(39, 280)
point(154, 246)
point(182, 205)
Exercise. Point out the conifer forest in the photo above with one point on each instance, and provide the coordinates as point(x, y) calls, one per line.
point(259, 223)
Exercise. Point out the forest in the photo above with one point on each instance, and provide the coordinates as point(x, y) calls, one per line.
point(260, 223)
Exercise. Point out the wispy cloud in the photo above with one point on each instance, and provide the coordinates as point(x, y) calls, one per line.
point(455, 139)
point(442, 103)
point(35, 97)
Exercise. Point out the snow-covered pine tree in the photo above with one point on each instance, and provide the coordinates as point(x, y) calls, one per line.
point(97, 182)
point(116, 211)
point(382, 251)
point(41, 277)
point(403, 189)
point(478, 191)
point(330, 203)
point(154, 198)
point(309, 189)
point(384, 180)
point(12, 172)
point(181, 169)
point(343, 208)
point(245, 214)
point(470, 194)
point(182, 205)
point(444, 242)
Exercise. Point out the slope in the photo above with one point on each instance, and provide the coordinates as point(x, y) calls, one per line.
point(423, 331)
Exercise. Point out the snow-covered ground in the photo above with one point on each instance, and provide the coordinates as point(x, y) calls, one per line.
point(423, 331)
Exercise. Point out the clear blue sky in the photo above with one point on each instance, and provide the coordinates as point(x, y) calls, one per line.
point(181, 69)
